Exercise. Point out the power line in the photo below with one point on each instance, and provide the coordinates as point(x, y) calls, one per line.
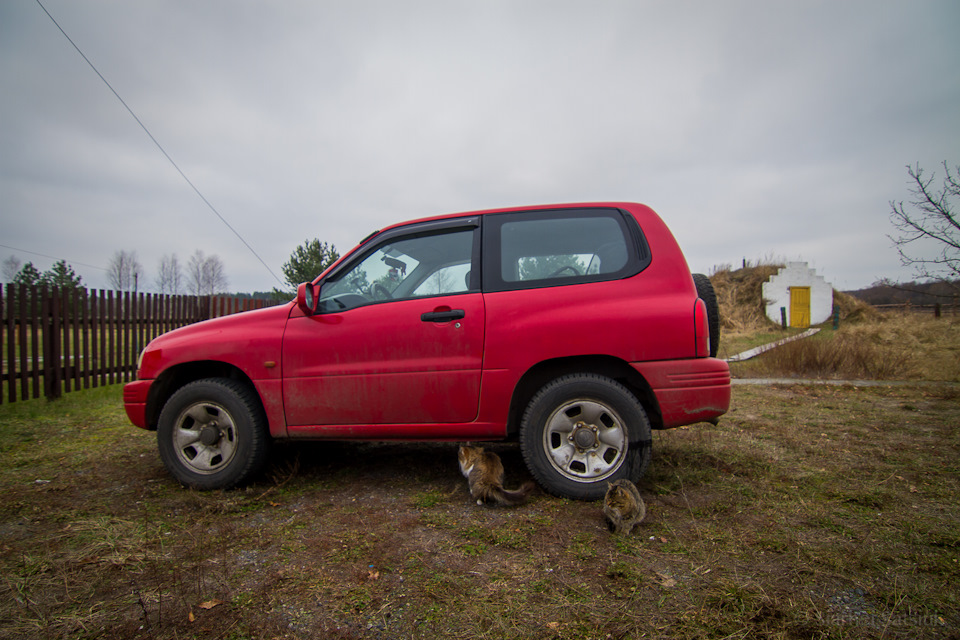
point(43, 255)
point(159, 146)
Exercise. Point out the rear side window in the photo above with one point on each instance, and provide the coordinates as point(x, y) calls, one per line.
point(548, 248)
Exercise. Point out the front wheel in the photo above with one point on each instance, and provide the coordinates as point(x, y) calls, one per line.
point(582, 431)
point(213, 434)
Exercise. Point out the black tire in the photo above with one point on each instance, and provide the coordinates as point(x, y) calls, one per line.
point(582, 431)
point(213, 434)
point(706, 293)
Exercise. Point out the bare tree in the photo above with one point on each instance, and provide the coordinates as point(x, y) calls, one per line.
point(169, 275)
point(215, 275)
point(11, 267)
point(195, 273)
point(929, 238)
point(124, 271)
point(206, 275)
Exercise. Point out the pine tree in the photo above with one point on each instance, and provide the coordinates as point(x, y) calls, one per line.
point(28, 275)
point(62, 276)
point(308, 261)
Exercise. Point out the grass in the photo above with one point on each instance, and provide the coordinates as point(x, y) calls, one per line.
point(808, 512)
point(896, 346)
point(868, 344)
point(821, 512)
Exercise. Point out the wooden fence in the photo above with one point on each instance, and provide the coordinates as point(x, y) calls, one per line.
point(938, 309)
point(54, 341)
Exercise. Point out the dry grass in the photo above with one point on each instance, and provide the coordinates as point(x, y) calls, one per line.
point(854, 311)
point(847, 356)
point(740, 297)
point(931, 345)
point(809, 512)
point(869, 344)
point(898, 346)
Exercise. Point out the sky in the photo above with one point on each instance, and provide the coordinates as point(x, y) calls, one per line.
point(758, 130)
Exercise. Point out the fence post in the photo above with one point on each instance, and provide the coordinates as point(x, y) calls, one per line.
point(63, 364)
point(35, 320)
point(128, 335)
point(100, 316)
point(11, 350)
point(3, 316)
point(74, 316)
point(51, 342)
point(110, 317)
point(44, 336)
point(87, 329)
point(12, 332)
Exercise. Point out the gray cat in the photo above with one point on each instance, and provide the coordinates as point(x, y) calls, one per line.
point(484, 472)
point(622, 506)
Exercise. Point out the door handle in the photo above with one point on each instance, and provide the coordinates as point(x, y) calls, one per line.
point(443, 316)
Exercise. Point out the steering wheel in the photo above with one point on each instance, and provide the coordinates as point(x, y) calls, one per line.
point(380, 292)
point(562, 269)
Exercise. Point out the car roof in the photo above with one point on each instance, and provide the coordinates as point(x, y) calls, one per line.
point(632, 206)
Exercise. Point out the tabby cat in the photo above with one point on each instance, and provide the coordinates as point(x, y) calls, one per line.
point(484, 473)
point(622, 506)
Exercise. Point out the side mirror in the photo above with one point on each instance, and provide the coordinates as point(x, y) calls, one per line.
point(306, 299)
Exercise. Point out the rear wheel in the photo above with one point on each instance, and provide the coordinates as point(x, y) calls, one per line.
point(213, 434)
point(582, 431)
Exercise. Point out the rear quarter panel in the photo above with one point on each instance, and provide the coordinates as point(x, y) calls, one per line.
point(646, 317)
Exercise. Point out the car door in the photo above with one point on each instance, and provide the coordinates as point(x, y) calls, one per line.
point(397, 338)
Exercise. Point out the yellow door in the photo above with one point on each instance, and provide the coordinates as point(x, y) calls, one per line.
point(800, 307)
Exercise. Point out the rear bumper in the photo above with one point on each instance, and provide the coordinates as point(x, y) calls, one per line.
point(135, 402)
point(688, 391)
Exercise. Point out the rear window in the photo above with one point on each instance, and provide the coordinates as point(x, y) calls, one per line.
point(549, 248)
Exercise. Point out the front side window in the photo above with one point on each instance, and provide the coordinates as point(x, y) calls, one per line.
point(404, 268)
point(559, 247)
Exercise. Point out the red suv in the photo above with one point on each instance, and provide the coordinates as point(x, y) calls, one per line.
point(574, 328)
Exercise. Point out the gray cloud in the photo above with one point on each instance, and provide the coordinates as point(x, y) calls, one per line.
point(755, 129)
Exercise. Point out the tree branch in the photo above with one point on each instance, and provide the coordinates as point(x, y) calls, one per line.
point(931, 219)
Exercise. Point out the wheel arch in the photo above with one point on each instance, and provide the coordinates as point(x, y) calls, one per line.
point(614, 368)
point(174, 378)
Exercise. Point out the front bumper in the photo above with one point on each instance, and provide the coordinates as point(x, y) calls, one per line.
point(135, 401)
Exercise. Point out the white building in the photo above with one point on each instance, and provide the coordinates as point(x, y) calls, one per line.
point(806, 297)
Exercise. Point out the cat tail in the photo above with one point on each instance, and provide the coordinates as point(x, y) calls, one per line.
point(513, 498)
